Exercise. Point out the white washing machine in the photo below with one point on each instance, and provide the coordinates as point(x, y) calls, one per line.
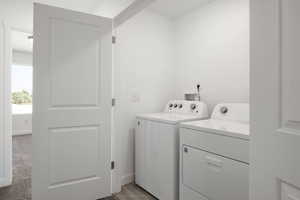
point(214, 155)
point(157, 147)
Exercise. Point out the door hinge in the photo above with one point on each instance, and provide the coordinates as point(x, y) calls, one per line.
point(114, 39)
point(112, 165)
point(113, 102)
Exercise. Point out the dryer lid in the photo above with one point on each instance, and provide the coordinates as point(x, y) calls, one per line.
point(221, 127)
point(230, 119)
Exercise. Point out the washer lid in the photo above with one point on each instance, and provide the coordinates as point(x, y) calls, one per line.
point(170, 118)
point(222, 127)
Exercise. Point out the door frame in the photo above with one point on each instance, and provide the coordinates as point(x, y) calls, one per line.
point(5, 105)
point(116, 151)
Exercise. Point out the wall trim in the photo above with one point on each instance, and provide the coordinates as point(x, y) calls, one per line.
point(128, 178)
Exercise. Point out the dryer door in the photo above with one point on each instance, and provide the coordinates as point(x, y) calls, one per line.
point(213, 176)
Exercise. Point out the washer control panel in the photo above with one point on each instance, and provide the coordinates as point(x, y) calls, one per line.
point(186, 107)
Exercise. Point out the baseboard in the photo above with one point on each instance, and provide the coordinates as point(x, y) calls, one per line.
point(129, 178)
point(5, 182)
point(23, 132)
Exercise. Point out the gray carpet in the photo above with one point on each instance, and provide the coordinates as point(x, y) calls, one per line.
point(22, 164)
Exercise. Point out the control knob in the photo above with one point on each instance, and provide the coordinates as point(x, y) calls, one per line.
point(193, 106)
point(224, 110)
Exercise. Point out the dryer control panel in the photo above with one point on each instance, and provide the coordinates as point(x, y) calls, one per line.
point(231, 111)
point(187, 107)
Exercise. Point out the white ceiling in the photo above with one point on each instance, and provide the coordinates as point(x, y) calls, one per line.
point(78, 5)
point(110, 8)
point(176, 8)
point(105, 8)
point(19, 14)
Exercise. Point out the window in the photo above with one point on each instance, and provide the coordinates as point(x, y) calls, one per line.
point(21, 87)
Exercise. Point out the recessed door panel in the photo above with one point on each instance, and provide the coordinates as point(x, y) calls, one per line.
point(74, 63)
point(73, 154)
point(290, 61)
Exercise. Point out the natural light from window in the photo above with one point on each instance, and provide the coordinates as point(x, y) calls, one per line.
point(21, 87)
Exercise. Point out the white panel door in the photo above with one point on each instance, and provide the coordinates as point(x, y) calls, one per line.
point(5, 107)
point(275, 100)
point(72, 105)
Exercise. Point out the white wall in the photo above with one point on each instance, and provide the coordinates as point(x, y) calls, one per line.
point(144, 76)
point(212, 48)
point(22, 58)
point(17, 13)
point(110, 8)
point(159, 59)
point(22, 124)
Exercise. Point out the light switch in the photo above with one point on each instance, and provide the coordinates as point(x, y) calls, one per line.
point(135, 98)
point(134, 95)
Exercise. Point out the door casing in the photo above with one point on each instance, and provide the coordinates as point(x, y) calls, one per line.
point(5, 106)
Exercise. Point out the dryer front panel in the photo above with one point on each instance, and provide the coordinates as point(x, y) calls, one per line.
point(213, 176)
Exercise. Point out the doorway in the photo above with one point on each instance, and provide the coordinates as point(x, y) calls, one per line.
point(21, 109)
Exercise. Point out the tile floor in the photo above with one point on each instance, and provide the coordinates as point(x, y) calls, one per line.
point(22, 164)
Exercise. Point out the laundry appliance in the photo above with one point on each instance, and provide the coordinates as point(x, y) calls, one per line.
point(157, 147)
point(214, 155)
